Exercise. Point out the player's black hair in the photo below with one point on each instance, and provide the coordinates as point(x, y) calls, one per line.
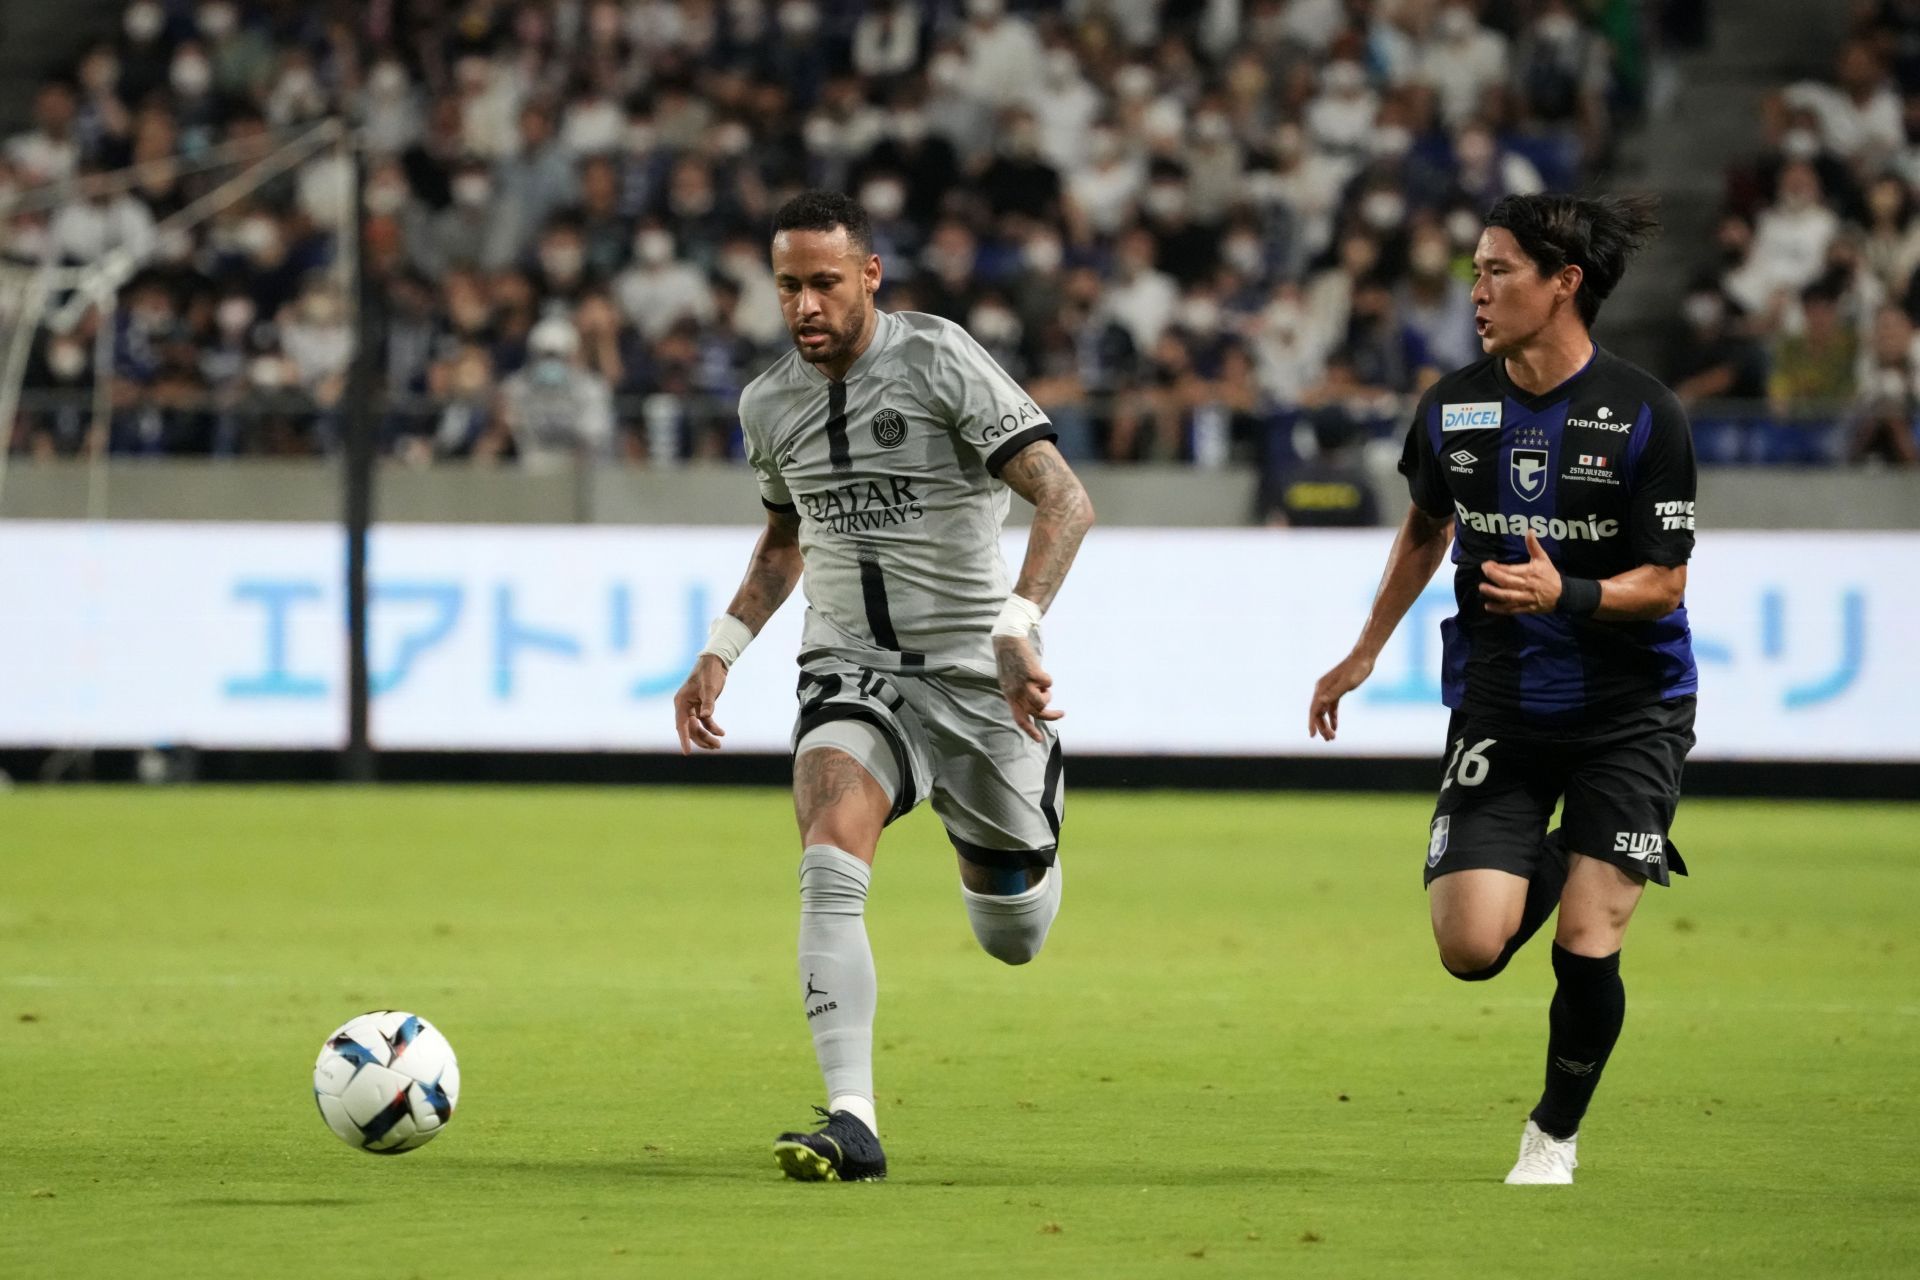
point(1595, 233)
point(820, 210)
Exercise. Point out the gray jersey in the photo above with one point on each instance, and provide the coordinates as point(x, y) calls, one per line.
point(894, 473)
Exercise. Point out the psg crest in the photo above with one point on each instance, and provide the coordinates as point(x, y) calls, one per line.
point(1528, 471)
point(889, 429)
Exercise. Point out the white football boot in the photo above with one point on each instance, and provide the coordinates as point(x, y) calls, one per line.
point(1544, 1159)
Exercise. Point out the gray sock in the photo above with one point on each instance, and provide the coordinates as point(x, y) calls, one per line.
point(1014, 928)
point(836, 969)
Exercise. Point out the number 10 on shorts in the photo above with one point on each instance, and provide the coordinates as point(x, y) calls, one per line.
point(1467, 766)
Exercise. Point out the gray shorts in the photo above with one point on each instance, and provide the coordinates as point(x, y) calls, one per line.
point(999, 793)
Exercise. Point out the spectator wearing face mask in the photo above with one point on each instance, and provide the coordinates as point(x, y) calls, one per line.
point(553, 411)
point(657, 290)
point(1289, 350)
point(886, 42)
point(99, 222)
point(102, 123)
point(242, 54)
point(559, 270)
point(1004, 56)
point(1860, 117)
point(1184, 248)
point(473, 231)
point(1385, 350)
point(462, 385)
point(606, 233)
point(196, 105)
point(953, 108)
point(1461, 61)
point(895, 236)
point(146, 49)
point(1486, 172)
point(60, 369)
point(1712, 356)
point(1340, 118)
point(1065, 104)
point(1139, 297)
point(1814, 365)
point(1019, 180)
point(1437, 304)
point(532, 184)
point(926, 161)
point(391, 108)
point(47, 152)
point(798, 52)
point(1215, 161)
point(316, 338)
point(1886, 410)
point(1791, 237)
point(1891, 243)
point(1101, 194)
point(1310, 185)
point(1560, 70)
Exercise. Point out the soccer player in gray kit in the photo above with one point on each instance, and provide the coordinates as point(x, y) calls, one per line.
point(885, 445)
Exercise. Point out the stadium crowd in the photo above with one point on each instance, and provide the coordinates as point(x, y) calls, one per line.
point(1205, 230)
point(1811, 298)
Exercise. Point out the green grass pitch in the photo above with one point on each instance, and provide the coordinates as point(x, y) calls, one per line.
point(1237, 1057)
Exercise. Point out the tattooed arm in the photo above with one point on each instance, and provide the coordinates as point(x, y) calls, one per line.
point(771, 574)
point(1062, 514)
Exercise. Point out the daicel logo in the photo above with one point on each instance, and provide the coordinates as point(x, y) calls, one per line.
point(1479, 415)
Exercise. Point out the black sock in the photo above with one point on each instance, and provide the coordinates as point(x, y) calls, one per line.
point(1583, 1022)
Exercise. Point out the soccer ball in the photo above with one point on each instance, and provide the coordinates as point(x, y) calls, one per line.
point(386, 1082)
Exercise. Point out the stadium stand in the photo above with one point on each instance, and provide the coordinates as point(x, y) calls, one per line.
point(1208, 232)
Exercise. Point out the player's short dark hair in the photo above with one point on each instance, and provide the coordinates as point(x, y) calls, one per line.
point(820, 210)
point(1594, 233)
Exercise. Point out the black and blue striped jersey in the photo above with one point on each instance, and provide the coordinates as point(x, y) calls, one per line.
point(1601, 470)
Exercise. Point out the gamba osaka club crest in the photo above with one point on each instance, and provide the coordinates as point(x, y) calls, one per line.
point(1527, 468)
point(889, 429)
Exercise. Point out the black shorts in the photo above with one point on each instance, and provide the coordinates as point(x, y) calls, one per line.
point(1620, 777)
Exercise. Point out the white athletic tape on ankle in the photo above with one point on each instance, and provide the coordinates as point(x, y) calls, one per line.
point(728, 638)
point(1018, 617)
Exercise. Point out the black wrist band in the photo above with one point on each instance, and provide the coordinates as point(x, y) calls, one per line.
point(1579, 597)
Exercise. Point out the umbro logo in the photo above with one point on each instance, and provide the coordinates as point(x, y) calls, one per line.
point(1462, 457)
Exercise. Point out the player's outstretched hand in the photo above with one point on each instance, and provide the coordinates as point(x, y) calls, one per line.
point(1027, 688)
point(693, 705)
point(1532, 586)
point(1323, 716)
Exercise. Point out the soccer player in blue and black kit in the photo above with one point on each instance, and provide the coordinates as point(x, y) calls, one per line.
point(1564, 478)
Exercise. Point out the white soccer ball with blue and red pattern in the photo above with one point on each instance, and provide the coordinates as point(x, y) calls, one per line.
point(386, 1082)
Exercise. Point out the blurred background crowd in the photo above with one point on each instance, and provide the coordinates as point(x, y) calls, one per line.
point(1808, 297)
point(1211, 231)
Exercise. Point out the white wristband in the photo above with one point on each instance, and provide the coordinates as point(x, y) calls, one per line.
point(1018, 617)
point(728, 638)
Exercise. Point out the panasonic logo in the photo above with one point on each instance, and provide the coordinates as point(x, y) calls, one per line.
point(1480, 415)
point(1589, 529)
